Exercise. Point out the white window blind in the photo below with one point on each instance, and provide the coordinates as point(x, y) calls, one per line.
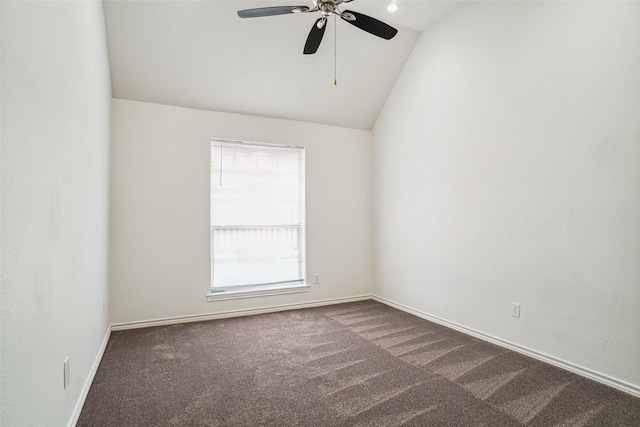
point(257, 214)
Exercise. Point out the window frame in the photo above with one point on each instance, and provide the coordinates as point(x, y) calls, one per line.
point(255, 290)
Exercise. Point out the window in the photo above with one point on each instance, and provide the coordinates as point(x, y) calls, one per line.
point(257, 218)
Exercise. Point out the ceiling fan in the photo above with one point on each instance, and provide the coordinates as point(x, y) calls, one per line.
point(326, 8)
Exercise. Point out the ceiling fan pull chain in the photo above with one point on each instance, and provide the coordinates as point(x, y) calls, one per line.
point(335, 51)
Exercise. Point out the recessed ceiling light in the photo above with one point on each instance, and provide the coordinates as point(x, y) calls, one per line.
point(392, 7)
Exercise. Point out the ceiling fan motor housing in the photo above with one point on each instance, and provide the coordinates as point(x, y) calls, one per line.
point(327, 8)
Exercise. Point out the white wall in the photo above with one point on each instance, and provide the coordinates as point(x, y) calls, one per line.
point(159, 236)
point(507, 169)
point(55, 138)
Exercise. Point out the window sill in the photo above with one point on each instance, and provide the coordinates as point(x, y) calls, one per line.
point(228, 294)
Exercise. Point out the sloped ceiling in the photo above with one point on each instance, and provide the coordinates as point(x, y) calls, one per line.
point(199, 54)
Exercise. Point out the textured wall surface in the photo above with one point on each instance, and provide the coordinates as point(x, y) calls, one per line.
point(160, 176)
point(507, 169)
point(55, 139)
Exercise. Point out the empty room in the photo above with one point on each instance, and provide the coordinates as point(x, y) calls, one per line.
point(320, 213)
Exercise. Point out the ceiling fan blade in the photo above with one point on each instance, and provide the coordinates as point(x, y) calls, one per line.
point(369, 24)
point(315, 36)
point(271, 11)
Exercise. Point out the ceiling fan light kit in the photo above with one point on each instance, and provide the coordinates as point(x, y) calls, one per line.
point(326, 8)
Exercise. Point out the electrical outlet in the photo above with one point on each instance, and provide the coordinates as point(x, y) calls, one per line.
point(316, 278)
point(515, 309)
point(66, 368)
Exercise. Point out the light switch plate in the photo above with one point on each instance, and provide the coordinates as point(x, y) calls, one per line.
point(67, 371)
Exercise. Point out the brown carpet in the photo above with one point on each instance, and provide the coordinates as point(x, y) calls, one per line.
point(358, 364)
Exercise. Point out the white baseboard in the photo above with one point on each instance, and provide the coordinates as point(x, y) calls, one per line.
point(571, 367)
point(234, 313)
point(87, 384)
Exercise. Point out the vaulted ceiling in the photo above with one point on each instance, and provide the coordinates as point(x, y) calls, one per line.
point(200, 54)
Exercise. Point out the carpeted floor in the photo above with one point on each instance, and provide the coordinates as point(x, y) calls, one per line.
point(358, 364)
